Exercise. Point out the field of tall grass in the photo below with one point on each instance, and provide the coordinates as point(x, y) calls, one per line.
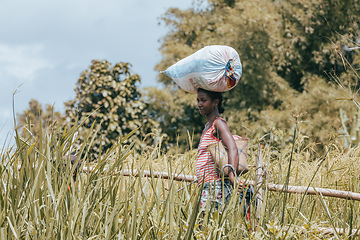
point(40, 199)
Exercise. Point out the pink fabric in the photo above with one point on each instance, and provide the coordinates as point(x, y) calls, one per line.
point(205, 165)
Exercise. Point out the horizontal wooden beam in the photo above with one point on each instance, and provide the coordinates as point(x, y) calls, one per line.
point(270, 186)
point(155, 174)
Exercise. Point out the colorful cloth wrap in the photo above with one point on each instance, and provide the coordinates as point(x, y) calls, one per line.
point(230, 74)
point(214, 192)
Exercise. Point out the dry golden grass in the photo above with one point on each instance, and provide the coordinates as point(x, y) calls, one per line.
point(41, 200)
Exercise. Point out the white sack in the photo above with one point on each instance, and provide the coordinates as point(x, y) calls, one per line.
point(214, 68)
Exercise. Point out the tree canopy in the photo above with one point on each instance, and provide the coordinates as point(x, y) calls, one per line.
point(29, 121)
point(107, 95)
point(295, 56)
point(291, 50)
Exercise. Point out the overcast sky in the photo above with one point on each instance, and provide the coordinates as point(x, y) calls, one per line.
point(46, 44)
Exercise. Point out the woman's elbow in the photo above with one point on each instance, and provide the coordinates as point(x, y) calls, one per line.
point(242, 170)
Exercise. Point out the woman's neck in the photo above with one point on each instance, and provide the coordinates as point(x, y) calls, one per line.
point(212, 116)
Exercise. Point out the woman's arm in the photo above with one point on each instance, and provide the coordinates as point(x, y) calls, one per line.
point(223, 132)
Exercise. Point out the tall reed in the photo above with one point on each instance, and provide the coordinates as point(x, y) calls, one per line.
point(39, 198)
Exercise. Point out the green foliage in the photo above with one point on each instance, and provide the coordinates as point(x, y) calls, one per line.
point(251, 33)
point(177, 114)
point(314, 33)
point(290, 50)
point(316, 110)
point(108, 97)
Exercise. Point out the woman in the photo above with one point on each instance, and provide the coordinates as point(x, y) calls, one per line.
point(216, 129)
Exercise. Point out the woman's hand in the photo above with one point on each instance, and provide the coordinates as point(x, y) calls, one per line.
point(233, 179)
point(231, 176)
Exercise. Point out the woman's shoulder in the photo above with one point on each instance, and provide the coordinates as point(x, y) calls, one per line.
point(220, 126)
point(219, 122)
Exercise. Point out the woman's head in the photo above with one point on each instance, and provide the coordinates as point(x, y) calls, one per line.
point(208, 101)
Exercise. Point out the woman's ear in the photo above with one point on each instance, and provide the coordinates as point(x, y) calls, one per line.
point(216, 102)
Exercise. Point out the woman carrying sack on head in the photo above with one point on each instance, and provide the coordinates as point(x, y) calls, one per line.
point(216, 68)
point(216, 129)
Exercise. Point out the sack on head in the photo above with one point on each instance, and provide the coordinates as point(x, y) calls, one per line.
point(213, 68)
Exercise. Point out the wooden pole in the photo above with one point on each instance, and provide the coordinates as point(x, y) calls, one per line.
point(311, 191)
point(270, 186)
point(314, 191)
point(259, 182)
point(155, 174)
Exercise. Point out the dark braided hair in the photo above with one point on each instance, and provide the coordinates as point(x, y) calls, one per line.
point(213, 96)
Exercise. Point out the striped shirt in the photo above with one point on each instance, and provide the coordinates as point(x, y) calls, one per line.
point(205, 165)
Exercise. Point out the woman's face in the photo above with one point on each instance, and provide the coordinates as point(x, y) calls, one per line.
point(205, 104)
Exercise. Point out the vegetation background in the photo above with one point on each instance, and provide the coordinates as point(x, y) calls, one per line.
point(300, 70)
point(292, 52)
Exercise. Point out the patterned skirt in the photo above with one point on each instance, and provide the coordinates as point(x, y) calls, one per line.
point(218, 194)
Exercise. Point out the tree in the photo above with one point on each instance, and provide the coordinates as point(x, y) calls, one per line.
point(314, 33)
point(177, 114)
point(108, 97)
point(235, 25)
point(30, 120)
point(288, 50)
point(229, 23)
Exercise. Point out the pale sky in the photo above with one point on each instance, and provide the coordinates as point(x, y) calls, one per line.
point(46, 44)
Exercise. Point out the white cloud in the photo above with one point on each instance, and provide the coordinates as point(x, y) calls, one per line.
point(21, 62)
